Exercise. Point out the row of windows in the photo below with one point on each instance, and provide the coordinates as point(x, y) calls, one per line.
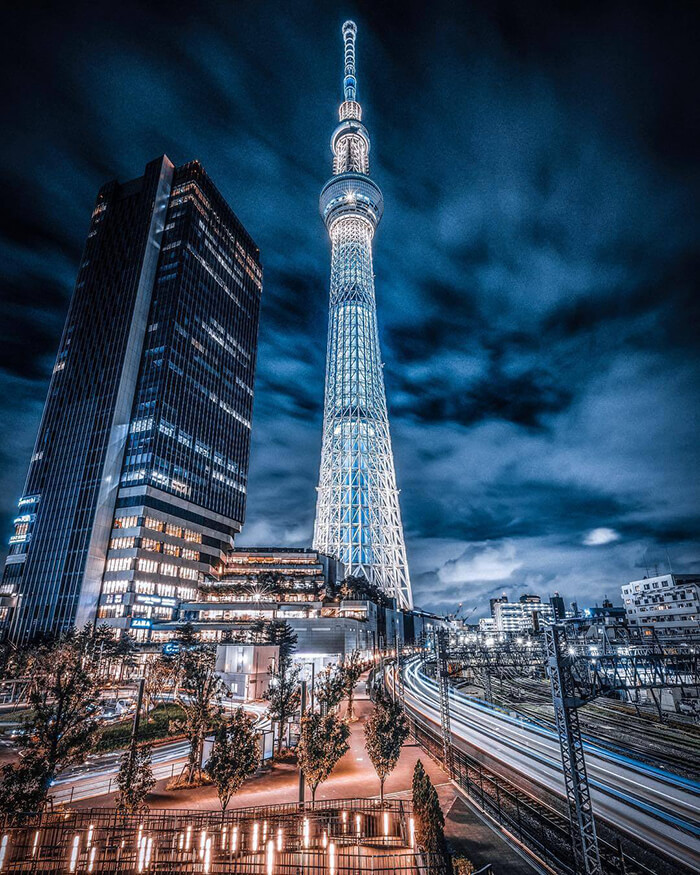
point(150, 566)
point(149, 587)
point(155, 546)
point(130, 522)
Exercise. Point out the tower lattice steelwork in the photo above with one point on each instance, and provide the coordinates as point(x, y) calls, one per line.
point(358, 519)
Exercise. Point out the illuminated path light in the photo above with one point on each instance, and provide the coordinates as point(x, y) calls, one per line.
point(358, 519)
point(75, 850)
point(3, 850)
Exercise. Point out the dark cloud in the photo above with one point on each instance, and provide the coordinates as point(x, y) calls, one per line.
point(536, 265)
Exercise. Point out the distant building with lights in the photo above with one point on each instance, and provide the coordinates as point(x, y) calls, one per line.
point(667, 603)
point(528, 614)
point(137, 483)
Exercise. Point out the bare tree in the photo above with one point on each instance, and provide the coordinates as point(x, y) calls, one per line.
point(135, 778)
point(352, 669)
point(323, 741)
point(199, 693)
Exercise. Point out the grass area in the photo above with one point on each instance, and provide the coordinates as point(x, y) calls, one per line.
point(14, 716)
point(159, 727)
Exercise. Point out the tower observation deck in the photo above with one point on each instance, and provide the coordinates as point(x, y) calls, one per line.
point(358, 519)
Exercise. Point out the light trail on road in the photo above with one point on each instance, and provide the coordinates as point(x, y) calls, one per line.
point(659, 808)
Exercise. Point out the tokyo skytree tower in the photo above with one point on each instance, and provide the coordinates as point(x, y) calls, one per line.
point(358, 519)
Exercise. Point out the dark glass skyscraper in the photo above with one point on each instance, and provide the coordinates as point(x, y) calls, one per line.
point(137, 484)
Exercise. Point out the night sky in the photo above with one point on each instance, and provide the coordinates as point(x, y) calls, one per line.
point(536, 268)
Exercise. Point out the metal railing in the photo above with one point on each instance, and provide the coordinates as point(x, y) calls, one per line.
point(334, 837)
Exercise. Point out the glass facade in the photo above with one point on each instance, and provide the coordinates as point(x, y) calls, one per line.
point(138, 480)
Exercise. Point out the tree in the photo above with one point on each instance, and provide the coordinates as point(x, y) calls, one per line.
point(22, 785)
point(356, 586)
point(62, 702)
point(352, 669)
point(160, 674)
point(330, 688)
point(135, 778)
point(199, 692)
point(281, 633)
point(234, 756)
point(186, 636)
point(385, 732)
point(124, 652)
point(429, 819)
point(323, 741)
point(284, 697)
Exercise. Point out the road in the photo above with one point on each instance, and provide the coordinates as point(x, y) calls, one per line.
point(97, 776)
point(659, 808)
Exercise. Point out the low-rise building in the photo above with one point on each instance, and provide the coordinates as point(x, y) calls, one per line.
point(245, 668)
point(669, 603)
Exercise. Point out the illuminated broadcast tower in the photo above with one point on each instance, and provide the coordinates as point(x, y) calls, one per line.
point(357, 513)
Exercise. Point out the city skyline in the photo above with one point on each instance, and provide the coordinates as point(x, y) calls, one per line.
point(540, 236)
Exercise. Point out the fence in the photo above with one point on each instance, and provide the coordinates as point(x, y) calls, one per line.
point(339, 837)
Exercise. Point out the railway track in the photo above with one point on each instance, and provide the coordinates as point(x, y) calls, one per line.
point(616, 728)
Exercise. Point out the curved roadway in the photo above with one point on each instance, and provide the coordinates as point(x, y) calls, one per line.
point(658, 807)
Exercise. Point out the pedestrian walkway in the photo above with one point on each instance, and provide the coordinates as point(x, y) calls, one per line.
point(354, 777)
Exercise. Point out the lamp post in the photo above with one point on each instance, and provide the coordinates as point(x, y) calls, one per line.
point(313, 683)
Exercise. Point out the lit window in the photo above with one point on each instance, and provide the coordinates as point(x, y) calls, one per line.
point(123, 563)
point(175, 531)
point(150, 544)
point(189, 535)
point(171, 549)
point(145, 587)
point(141, 425)
point(126, 522)
point(189, 573)
point(154, 524)
point(168, 570)
point(150, 566)
point(122, 543)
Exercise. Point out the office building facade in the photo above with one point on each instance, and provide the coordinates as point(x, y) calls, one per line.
point(137, 483)
point(528, 614)
point(667, 603)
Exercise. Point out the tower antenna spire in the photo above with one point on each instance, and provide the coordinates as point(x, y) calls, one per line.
point(349, 80)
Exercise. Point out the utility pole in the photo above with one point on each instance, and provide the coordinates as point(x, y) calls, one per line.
point(399, 677)
point(444, 688)
point(301, 773)
point(137, 714)
point(566, 701)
